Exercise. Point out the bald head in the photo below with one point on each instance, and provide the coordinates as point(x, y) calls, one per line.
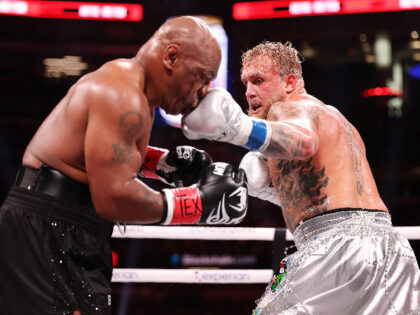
point(180, 60)
point(194, 38)
point(184, 27)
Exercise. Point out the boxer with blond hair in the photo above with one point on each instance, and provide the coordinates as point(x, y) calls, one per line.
point(306, 157)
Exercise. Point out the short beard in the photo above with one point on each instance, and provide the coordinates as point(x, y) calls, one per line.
point(263, 113)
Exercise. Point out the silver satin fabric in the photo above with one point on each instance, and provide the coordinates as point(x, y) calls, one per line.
point(347, 262)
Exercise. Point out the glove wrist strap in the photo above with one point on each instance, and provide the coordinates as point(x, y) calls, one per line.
point(183, 206)
point(151, 162)
point(258, 133)
point(168, 197)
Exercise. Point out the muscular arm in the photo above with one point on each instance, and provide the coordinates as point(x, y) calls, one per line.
point(118, 127)
point(294, 135)
point(290, 133)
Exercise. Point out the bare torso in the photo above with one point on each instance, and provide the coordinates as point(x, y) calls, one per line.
point(336, 176)
point(60, 141)
point(98, 134)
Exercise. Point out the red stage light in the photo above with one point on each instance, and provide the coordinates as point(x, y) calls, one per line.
point(114, 259)
point(290, 8)
point(73, 10)
point(381, 91)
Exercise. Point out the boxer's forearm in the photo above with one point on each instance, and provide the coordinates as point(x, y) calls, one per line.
point(219, 117)
point(130, 202)
point(220, 187)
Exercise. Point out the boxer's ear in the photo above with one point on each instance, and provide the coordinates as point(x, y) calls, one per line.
point(170, 56)
point(290, 82)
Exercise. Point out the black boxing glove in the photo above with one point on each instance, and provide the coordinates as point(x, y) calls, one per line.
point(220, 197)
point(178, 167)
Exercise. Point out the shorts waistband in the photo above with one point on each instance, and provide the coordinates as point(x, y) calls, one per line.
point(341, 219)
point(43, 192)
point(49, 181)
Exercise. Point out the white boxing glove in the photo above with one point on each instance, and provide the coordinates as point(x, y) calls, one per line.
point(219, 117)
point(258, 174)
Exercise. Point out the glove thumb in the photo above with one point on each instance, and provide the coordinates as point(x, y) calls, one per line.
point(240, 177)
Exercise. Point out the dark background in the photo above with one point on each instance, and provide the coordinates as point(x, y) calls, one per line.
point(334, 69)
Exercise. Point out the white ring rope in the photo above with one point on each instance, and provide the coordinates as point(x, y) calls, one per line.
point(211, 276)
point(223, 233)
point(199, 233)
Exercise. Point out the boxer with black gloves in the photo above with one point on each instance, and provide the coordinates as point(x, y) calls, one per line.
point(80, 172)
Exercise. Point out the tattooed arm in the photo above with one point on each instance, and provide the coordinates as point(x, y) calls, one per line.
point(116, 138)
point(294, 135)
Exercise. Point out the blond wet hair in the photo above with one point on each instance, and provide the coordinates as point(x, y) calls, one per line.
point(284, 56)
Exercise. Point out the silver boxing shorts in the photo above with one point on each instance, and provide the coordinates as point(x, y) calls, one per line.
point(347, 262)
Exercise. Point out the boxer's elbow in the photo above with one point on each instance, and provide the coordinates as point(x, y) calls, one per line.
point(302, 146)
point(106, 207)
point(292, 141)
point(307, 147)
point(108, 201)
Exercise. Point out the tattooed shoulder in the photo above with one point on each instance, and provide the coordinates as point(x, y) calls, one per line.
point(284, 111)
point(129, 127)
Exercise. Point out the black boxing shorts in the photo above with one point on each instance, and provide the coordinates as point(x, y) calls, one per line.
point(55, 256)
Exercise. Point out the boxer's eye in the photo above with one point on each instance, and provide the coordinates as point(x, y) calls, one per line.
point(204, 78)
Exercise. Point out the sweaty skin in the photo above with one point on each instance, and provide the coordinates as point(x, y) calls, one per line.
point(317, 158)
point(99, 132)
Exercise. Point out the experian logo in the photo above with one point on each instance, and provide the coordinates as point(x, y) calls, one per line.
point(221, 277)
